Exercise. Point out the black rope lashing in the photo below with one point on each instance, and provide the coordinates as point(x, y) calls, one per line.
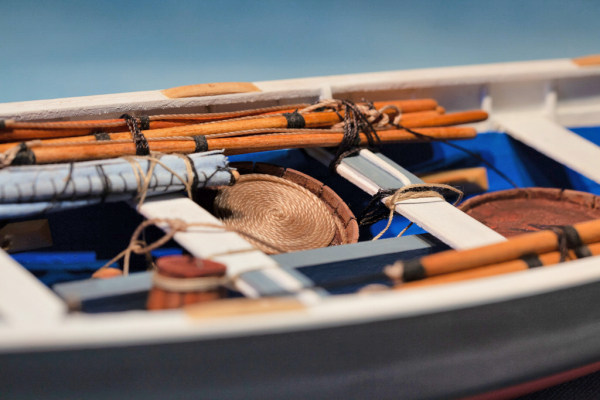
point(60, 195)
point(141, 144)
point(195, 179)
point(575, 243)
point(532, 261)
point(24, 156)
point(144, 122)
point(106, 185)
point(201, 143)
point(355, 122)
point(572, 241)
point(460, 148)
point(568, 239)
point(375, 209)
point(295, 120)
point(563, 246)
point(101, 135)
point(2, 124)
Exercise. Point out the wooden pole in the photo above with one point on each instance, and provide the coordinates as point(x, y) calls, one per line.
point(412, 119)
point(14, 131)
point(547, 259)
point(460, 260)
point(408, 106)
point(65, 152)
point(312, 120)
point(249, 144)
point(405, 106)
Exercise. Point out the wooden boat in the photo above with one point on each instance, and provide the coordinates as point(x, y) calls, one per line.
point(494, 337)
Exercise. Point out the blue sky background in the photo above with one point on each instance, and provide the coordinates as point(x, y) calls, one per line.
point(72, 48)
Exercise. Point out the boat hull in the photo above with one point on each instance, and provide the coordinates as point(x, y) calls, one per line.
point(448, 354)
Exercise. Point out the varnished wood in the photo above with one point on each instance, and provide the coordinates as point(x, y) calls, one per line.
point(210, 89)
point(531, 243)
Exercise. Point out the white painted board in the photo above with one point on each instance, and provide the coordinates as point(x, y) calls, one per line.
point(553, 140)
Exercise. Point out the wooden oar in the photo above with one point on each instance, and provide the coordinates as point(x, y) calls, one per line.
point(519, 246)
point(546, 259)
point(404, 106)
point(312, 120)
point(21, 131)
point(249, 144)
point(31, 131)
point(17, 131)
point(469, 179)
point(65, 152)
point(408, 106)
point(120, 122)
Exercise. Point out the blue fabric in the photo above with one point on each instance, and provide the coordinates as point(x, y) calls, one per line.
point(525, 166)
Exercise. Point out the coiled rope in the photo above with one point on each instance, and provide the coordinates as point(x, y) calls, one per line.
point(281, 214)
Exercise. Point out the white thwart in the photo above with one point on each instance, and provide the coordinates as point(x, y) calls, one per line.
point(553, 140)
point(455, 228)
point(24, 300)
point(217, 244)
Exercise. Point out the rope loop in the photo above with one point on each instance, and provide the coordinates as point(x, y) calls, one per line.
point(139, 246)
point(375, 212)
point(144, 178)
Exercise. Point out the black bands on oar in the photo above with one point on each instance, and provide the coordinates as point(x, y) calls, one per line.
point(141, 144)
point(2, 124)
point(295, 120)
point(568, 238)
point(574, 241)
point(532, 261)
point(355, 122)
point(413, 270)
point(357, 280)
point(582, 251)
point(201, 143)
point(25, 156)
point(101, 135)
point(144, 122)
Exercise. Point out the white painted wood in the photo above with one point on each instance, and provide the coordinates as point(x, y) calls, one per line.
point(307, 89)
point(218, 244)
point(436, 216)
point(372, 157)
point(580, 107)
point(24, 300)
point(553, 140)
point(100, 330)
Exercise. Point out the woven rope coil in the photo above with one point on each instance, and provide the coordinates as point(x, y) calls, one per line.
point(281, 214)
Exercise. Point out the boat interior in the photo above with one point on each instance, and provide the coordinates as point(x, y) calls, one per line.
point(68, 246)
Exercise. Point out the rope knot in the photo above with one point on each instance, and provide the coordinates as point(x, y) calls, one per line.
point(375, 211)
point(178, 225)
point(423, 190)
point(356, 119)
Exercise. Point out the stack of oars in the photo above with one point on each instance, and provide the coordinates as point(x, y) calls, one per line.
point(516, 254)
point(236, 132)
